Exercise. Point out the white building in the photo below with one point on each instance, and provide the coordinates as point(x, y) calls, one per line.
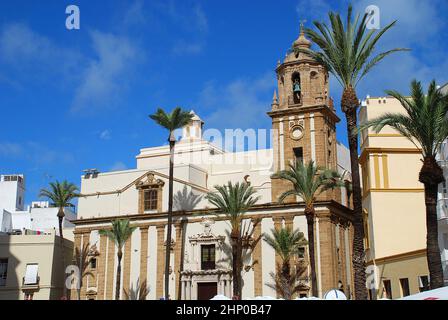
point(37, 217)
point(443, 203)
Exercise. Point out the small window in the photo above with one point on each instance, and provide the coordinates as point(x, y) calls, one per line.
point(301, 252)
point(31, 276)
point(298, 154)
point(444, 189)
point(150, 200)
point(404, 283)
point(423, 283)
point(208, 257)
point(387, 289)
point(3, 271)
point(93, 263)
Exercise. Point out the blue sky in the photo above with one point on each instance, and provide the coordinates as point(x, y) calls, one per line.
point(80, 99)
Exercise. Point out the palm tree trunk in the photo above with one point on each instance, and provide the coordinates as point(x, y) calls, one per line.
point(236, 262)
point(61, 243)
point(431, 175)
point(170, 220)
point(117, 281)
point(349, 104)
point(309, 213)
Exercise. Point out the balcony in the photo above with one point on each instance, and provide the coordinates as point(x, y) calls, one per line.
point(30, 285)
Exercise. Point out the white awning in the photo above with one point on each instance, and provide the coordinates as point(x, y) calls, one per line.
point(31, 274)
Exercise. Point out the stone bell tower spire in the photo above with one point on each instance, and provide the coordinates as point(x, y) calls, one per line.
point(304, 123)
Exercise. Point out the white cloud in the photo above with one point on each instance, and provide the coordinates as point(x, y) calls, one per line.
point(107, 76)
point(34, 152)
point(105, 135)
point(8, 149)
point(33, 55)
point(238, 104)
point(118, 166)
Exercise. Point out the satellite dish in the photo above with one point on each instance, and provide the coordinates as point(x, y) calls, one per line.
point(335, 295)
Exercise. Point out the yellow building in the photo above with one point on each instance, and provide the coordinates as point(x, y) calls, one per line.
point(393, 201)
point(31, 266)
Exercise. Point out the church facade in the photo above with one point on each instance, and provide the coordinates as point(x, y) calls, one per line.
point(304, 127)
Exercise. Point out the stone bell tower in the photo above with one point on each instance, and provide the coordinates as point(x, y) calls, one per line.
point(303, 116)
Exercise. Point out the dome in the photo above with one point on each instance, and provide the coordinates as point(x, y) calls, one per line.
point(302, 41)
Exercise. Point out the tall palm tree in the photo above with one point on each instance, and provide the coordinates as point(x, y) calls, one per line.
point(426, 125)
point(81, 260)
point(121, 231)
point(171, 121)
point(286, 243)
point(234, 200)
point(347, 51)
point(60, 195)
point(308, 181)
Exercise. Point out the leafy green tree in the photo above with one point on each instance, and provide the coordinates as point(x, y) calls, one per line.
point(60, 195)
point(347, 50)
point(308, 181)
point(120, 232)
point(286, 243)
point(171, 121)
point(425, 124)
point(234, 200)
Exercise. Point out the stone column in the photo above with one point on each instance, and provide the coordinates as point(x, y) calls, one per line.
point(143, 254)
point(126, 266)
point(188, 290)
point(342, 253)
point(85, 281)
point(177, 258)
point(327, 252)
point(257, 259)
point(110, 282)
point(160, 261)
point(277, 226)
point(182, 297)
point(101, 266)
point(77, 245)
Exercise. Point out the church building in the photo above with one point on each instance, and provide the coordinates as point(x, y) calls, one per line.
point(304, 125)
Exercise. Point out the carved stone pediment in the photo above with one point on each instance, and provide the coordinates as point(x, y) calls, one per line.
point(149, 181)
point(207, 235)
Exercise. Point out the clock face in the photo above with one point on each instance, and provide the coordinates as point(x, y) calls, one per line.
point(296, 133)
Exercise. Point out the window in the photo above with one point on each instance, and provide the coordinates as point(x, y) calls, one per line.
point(423, 283)
point(31, 277)
point(298, 154)
point(301, 252)
point(404, 283)
point(150, 200)
point(366, 229)
point(208, 257)
point(93, 263)
point(3, 271)
point(387, 289)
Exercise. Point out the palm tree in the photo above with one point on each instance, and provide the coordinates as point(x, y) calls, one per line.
point(308, 181)
point(425, 124)
point(286, 243)
point(234, 200)
point(60, 195)
point(140, 292)
point(347, 52)
point(121, 231)
point(81, 260)
point(171, 121)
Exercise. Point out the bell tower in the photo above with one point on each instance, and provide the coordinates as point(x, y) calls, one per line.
point(303, 116)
